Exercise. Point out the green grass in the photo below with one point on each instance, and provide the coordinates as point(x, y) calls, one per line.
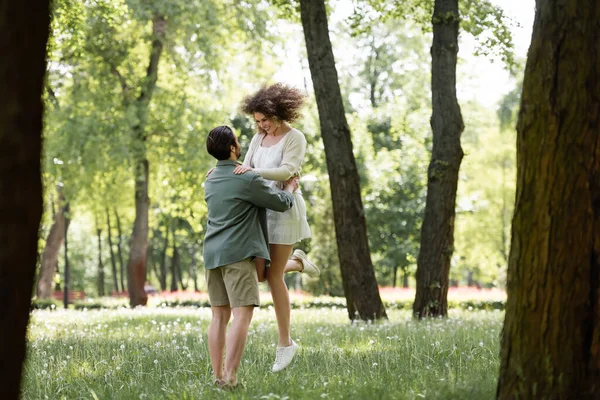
point(162, 354)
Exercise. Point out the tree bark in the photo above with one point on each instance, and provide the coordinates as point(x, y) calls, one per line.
point(551, 337)
point(120, 251)
point(360, 286)
point(113, 261)
point(24, 27)
point(437, 232)
point(55, 239)
point(101, 290)
point(139, 238)
point(405, 279)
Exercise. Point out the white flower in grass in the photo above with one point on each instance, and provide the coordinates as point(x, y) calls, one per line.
point(155, 362)
point(157, 344)
point(122, 347)
point(480, 344)
point(375, 364)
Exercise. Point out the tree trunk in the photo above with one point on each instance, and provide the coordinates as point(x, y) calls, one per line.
point(55, 239)
point(119, 251)
point(24, 27)
point(101, 291)
point(437, 232)
point(113, 261)
point(470, 281)
point(178, 269)
point(360, 286)
point(66, 277)
point(139, 238)
point(163, 264)
point(193, 269)
point(174, 267)
point(405, 279)
point(551, 337)
point(395, 276)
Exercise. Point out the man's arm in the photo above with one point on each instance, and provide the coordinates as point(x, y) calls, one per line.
point(263, 195)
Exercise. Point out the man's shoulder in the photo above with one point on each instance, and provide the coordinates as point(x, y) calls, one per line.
point(228, 176)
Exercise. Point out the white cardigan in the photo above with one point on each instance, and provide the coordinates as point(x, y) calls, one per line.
point(293, 156)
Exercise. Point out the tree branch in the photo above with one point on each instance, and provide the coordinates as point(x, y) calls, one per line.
point(52, 96)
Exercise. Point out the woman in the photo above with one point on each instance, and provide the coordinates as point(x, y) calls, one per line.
point(276, 153)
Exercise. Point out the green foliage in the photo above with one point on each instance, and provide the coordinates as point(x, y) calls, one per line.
point(485, 200)
point(485, 21)
point(214, 54)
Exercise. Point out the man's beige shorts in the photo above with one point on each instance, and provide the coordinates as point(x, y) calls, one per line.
point(234, 285)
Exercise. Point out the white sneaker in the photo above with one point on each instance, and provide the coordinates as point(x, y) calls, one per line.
point(310, 269)
point(284, 356)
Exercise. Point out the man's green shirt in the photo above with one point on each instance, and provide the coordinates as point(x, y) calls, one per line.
point(237, 220)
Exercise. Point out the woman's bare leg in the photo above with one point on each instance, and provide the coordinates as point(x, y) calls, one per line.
point(293, 265)
point(280, 254)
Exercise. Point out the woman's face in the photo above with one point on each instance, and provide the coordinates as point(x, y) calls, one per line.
point(266, 124)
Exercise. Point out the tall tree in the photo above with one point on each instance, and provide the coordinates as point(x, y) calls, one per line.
point(24, 27)
point(139, 238)
point(360, 286)
point(551, 337)
point(55, 239)
point(437, 231)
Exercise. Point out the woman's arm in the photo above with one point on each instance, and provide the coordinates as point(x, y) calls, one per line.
point(293, 155)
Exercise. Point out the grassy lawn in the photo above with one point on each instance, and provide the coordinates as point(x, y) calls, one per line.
point(161, 353)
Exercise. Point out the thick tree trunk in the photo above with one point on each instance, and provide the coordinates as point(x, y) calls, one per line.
point(550, 345)
point(55, 239)
point(24, 29)
point(437, 232)
point(139, 238)
point(360, 286)
point(113, 261)
point(120, 251)
point(101, 288)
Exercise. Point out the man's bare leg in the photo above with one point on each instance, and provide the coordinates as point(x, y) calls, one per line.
point(236, 341)
point(216, 338)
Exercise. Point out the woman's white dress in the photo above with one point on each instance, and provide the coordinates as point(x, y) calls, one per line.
point(288, 227)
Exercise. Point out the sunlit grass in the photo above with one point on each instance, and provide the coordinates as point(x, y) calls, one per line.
point(162, 353)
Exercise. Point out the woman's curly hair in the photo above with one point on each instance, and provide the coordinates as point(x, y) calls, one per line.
point(278, 100)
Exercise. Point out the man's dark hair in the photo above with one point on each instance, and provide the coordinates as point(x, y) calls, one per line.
point(219, 142)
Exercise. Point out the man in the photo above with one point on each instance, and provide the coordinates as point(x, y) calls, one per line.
point(236, 234)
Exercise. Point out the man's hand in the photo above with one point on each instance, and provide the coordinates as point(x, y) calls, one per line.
point(240, 169)
point(291, 184)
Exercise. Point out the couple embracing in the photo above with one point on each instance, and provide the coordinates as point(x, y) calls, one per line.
point(256, 214)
